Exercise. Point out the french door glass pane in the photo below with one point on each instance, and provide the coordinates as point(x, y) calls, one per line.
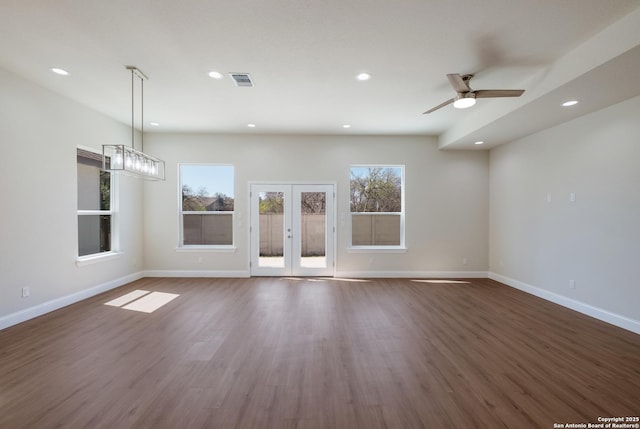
point(94, 234)
point(271, 218)
point(313, 229)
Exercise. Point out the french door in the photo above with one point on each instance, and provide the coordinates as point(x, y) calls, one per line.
point(292, 229)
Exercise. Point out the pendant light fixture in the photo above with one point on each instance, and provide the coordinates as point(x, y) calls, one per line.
point(120, 158)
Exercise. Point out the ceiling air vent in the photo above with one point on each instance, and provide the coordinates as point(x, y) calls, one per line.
point(241, 79)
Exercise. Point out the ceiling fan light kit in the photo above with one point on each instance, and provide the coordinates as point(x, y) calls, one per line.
point(464, 101)
point(466, 97)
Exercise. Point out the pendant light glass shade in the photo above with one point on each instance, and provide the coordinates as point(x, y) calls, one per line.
point(120, 158)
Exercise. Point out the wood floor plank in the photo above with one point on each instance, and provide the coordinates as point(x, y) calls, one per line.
point(317, 353)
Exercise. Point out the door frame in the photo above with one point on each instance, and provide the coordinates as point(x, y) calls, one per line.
point(331, 229)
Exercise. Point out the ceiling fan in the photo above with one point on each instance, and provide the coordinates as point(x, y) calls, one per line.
point(467, 97)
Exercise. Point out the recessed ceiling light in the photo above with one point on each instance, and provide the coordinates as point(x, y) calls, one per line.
point(479, 142)
point(61, 72)
point(570, 103)
point(154, 124)
point(251, 125)
point(215, 75)
point(346, 126)
point(363, 76)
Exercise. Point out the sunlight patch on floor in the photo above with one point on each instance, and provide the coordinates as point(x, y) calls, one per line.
point(127, 298)
point(151, 302)
point(142, 300)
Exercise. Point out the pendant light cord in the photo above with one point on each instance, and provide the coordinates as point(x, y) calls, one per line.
point(142, 77)
point(141, 115)
point(133, 130)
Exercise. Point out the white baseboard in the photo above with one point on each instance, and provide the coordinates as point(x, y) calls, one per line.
point(595, 312)
point(345, 274)
point(416, 274)
point(202, 273)
point(55, 304)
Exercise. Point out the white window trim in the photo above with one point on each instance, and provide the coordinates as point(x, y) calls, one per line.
point(221, 248)
point(377, 249)
point(115, 252)
point(82, 261)
point(227, 248)
point(95, 212)
point(398, 248)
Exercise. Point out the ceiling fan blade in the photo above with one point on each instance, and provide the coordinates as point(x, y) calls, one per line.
point(458, 83)
point(495, 93)
point(439, 106)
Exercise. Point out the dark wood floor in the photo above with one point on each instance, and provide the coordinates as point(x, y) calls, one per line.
point(312, 353)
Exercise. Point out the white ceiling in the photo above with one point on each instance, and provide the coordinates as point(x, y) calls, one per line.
point(304, 55)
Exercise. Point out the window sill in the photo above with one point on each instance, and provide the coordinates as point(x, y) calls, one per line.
point(214, 249)
point(81, 261)
point(377, 249)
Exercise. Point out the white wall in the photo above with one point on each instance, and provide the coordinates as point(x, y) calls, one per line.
point(446, 198)
point(595, 240)
point(39, 134)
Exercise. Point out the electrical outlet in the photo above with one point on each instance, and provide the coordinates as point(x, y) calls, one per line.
point(572, 284)
point(465, 261)
point(26, 291)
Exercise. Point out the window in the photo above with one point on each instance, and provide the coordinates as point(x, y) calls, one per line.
point(95, 206)
point(207, 204)
point(377, 206)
